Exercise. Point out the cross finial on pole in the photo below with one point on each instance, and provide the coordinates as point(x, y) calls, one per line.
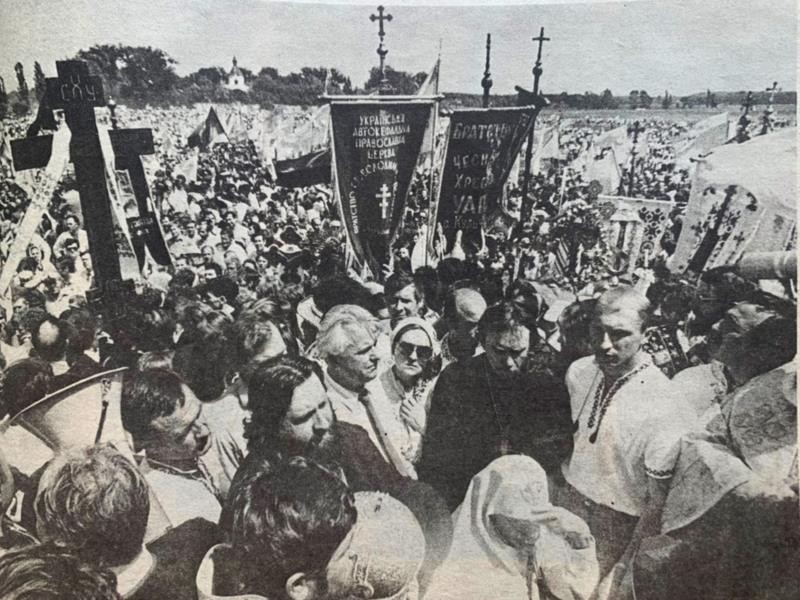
point(635, 129)
point(382, 51)
point(537, 68)
point(747, 103)
point(766, 118)
point(486, 82)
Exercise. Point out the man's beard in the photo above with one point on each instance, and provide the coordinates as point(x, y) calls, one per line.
point(325, 451)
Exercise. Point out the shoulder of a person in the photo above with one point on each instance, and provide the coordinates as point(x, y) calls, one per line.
point(579, 367)
point(456, 371)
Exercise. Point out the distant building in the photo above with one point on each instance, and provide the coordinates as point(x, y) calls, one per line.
point(236, 79)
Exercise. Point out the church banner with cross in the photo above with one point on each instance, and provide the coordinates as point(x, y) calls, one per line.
point(633, 228)
point(376, 144)
point(482, 145)
point(742, 200)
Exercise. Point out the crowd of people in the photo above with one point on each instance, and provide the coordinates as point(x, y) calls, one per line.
point(477, 426)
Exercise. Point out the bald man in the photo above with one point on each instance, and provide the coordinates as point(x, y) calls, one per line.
point(49, 339)
point(463, 309)
point(50, 343)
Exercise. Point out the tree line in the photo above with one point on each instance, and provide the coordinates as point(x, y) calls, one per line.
point(138, 75)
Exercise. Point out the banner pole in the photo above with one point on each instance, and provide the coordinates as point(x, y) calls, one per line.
point(337, 196)
point(431, 197)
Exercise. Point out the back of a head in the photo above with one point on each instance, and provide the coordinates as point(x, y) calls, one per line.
point(450, 270)
point(463, 301)
point(95, 502)
point(224, 287)
point(24, 383)
point(340, 289)
point(387, 546)
point(50, 339)
point(183, 277)
point(202, 366)
point(83, 326)
point(288, 519)
point(48, 572)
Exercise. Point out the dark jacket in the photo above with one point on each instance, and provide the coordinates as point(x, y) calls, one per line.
point(473, 412)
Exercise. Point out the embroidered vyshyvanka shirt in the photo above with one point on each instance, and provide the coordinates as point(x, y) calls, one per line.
point(637, 437)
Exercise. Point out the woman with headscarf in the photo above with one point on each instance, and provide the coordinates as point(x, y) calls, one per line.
point(408, 383)
point(509, 542)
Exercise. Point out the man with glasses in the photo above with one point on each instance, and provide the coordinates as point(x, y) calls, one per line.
point(490, 405)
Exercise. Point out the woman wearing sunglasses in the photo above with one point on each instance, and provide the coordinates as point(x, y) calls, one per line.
point(408, 383)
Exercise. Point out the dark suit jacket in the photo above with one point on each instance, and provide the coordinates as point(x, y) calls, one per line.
point(469, 411)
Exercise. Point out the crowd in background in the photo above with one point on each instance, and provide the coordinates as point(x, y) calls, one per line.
point(291, 428)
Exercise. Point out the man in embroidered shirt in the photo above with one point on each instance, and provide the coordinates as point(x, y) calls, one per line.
point(184, 458)
point(628, 422)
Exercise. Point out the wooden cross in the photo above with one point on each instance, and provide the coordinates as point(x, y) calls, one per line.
point(77, 93)
point(382, 51)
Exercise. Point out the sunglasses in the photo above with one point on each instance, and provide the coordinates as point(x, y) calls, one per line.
point(423, 352)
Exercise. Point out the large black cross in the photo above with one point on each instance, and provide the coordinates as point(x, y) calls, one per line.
point(77, 93)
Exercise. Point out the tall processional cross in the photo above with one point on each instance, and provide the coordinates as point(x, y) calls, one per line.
point(78, 93)
point(382, 51)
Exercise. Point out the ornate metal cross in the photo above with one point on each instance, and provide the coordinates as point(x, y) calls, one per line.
point(382, 51)
point(537, 68)
point(486, 82)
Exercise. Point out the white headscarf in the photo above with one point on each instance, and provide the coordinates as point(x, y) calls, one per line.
point(481, 565)
point(409, 323)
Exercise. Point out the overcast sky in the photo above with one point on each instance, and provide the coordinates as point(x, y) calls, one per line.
point(684, 46)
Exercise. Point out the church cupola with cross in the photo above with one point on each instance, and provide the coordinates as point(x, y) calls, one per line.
point(236, 79)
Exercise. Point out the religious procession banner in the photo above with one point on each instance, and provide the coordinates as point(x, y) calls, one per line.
point(742, 200)
point(703, 137)
point(633, 228)
point(602, 166)
point(118, 183)
point(482, 145)
point(209, 132)
point(311, 169)
point(376, 144)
